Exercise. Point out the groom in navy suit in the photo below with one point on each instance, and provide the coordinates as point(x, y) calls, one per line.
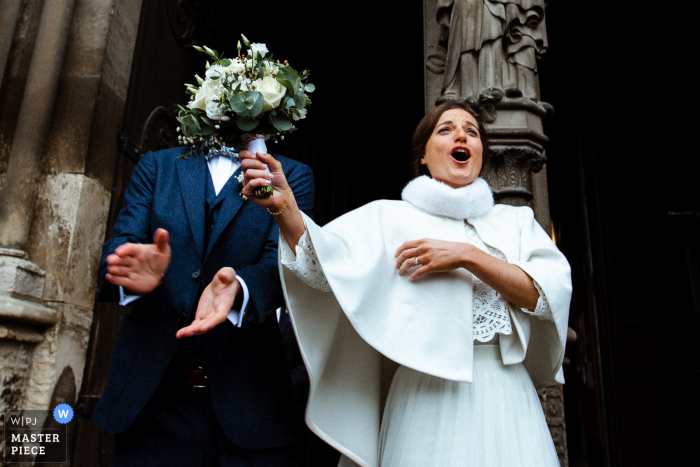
point(223, 398)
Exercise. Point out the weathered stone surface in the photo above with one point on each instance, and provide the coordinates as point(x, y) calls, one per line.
point(9, 11)
point(25, 311)
point(28, 142)
point(20, 332)
point(67, 236)
point(102, 155)
point(61, 172)
point(87, 37)
point(552, 400)
point(16, 359)
point(64, 346)
point(541, 201)
point(21, 277)
point(120, 44)
point(67, 146)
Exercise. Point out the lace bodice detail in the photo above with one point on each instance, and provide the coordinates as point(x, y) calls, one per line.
point(490, 310)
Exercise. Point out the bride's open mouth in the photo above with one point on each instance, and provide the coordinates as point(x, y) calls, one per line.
point(460, 154)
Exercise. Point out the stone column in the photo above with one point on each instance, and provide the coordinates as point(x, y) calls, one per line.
point(486, 56)
point(32, 128)
point(58, 165)
point(9, 11)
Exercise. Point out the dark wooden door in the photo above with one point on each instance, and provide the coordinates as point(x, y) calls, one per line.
point(618, 167)
point(368, 71)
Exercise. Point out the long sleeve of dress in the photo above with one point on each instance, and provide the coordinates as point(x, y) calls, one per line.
point(305, 265)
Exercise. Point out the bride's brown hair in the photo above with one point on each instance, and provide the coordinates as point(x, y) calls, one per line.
point(425, 128)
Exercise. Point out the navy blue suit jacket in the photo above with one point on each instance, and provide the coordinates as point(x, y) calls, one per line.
point(247, 372)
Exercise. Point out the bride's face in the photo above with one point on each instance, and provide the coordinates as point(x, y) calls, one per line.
point(453, 154)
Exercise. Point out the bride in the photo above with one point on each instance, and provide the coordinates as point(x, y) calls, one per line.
point(469, 298)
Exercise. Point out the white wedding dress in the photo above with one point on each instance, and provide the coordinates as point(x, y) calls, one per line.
point(496, 421)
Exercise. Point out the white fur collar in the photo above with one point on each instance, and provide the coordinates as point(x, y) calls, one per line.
point(430, 195)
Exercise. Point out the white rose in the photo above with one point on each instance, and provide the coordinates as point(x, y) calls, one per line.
point(302, 114)
point(272, 92)
point(214, 110)
point(209, 91)
point(256, 49)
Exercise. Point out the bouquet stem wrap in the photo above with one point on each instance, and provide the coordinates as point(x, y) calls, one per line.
point(255, 144)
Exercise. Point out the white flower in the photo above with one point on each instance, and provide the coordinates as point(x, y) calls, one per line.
point(215, 111)
point(209, 91)
point(215, 71)
point(235, 66)
point(302, 114)
point(256, 49)
point(269, 68)
point(272, 92)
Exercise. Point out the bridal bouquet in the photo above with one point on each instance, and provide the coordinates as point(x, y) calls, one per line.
point(242, 102)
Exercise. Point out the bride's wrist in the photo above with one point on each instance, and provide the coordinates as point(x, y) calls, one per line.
point(278, 208)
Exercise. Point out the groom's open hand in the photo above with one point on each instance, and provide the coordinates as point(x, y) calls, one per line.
point(137, 267)
point(214, 304)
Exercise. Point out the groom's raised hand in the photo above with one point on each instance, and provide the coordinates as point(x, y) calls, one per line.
point(215, 303)
point(139, 268)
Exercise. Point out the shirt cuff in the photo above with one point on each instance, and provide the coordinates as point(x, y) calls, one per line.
point(124, 298)
point(236, 316)
point(542, 310)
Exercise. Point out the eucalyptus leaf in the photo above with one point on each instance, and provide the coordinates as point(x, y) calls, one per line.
point(287, 77)
point(309, 87)
point(237, 101)
point(300, 100)
point(208, 121)
point(246, 123)
point(196, 122)
point(206, 130)
point(253, 103)
point(281, 122)
point(286, 83)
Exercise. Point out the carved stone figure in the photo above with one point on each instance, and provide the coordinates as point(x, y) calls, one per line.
point(489, 44)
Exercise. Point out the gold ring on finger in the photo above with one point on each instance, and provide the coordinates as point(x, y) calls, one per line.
point(415, 261)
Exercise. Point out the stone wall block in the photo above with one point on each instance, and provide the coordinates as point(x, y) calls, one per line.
point(67, 236)
point(20, 277)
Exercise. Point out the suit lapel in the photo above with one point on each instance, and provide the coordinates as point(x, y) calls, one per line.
point(229, 207)
point(192, 179)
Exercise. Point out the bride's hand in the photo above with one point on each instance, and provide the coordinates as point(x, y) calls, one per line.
point(255, 175)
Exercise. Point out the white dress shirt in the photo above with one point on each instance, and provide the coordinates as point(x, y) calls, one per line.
point(221, 169)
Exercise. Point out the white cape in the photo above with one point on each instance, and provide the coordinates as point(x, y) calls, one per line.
point(425, 325)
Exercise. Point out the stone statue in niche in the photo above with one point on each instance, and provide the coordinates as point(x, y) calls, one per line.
point(489, 44)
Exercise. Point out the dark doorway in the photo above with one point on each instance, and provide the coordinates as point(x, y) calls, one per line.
point(367, 66)
point(624, 206)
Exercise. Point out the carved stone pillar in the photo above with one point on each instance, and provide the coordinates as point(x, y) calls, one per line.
point(493, 69)
point(33, 123)
point(58, 152)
